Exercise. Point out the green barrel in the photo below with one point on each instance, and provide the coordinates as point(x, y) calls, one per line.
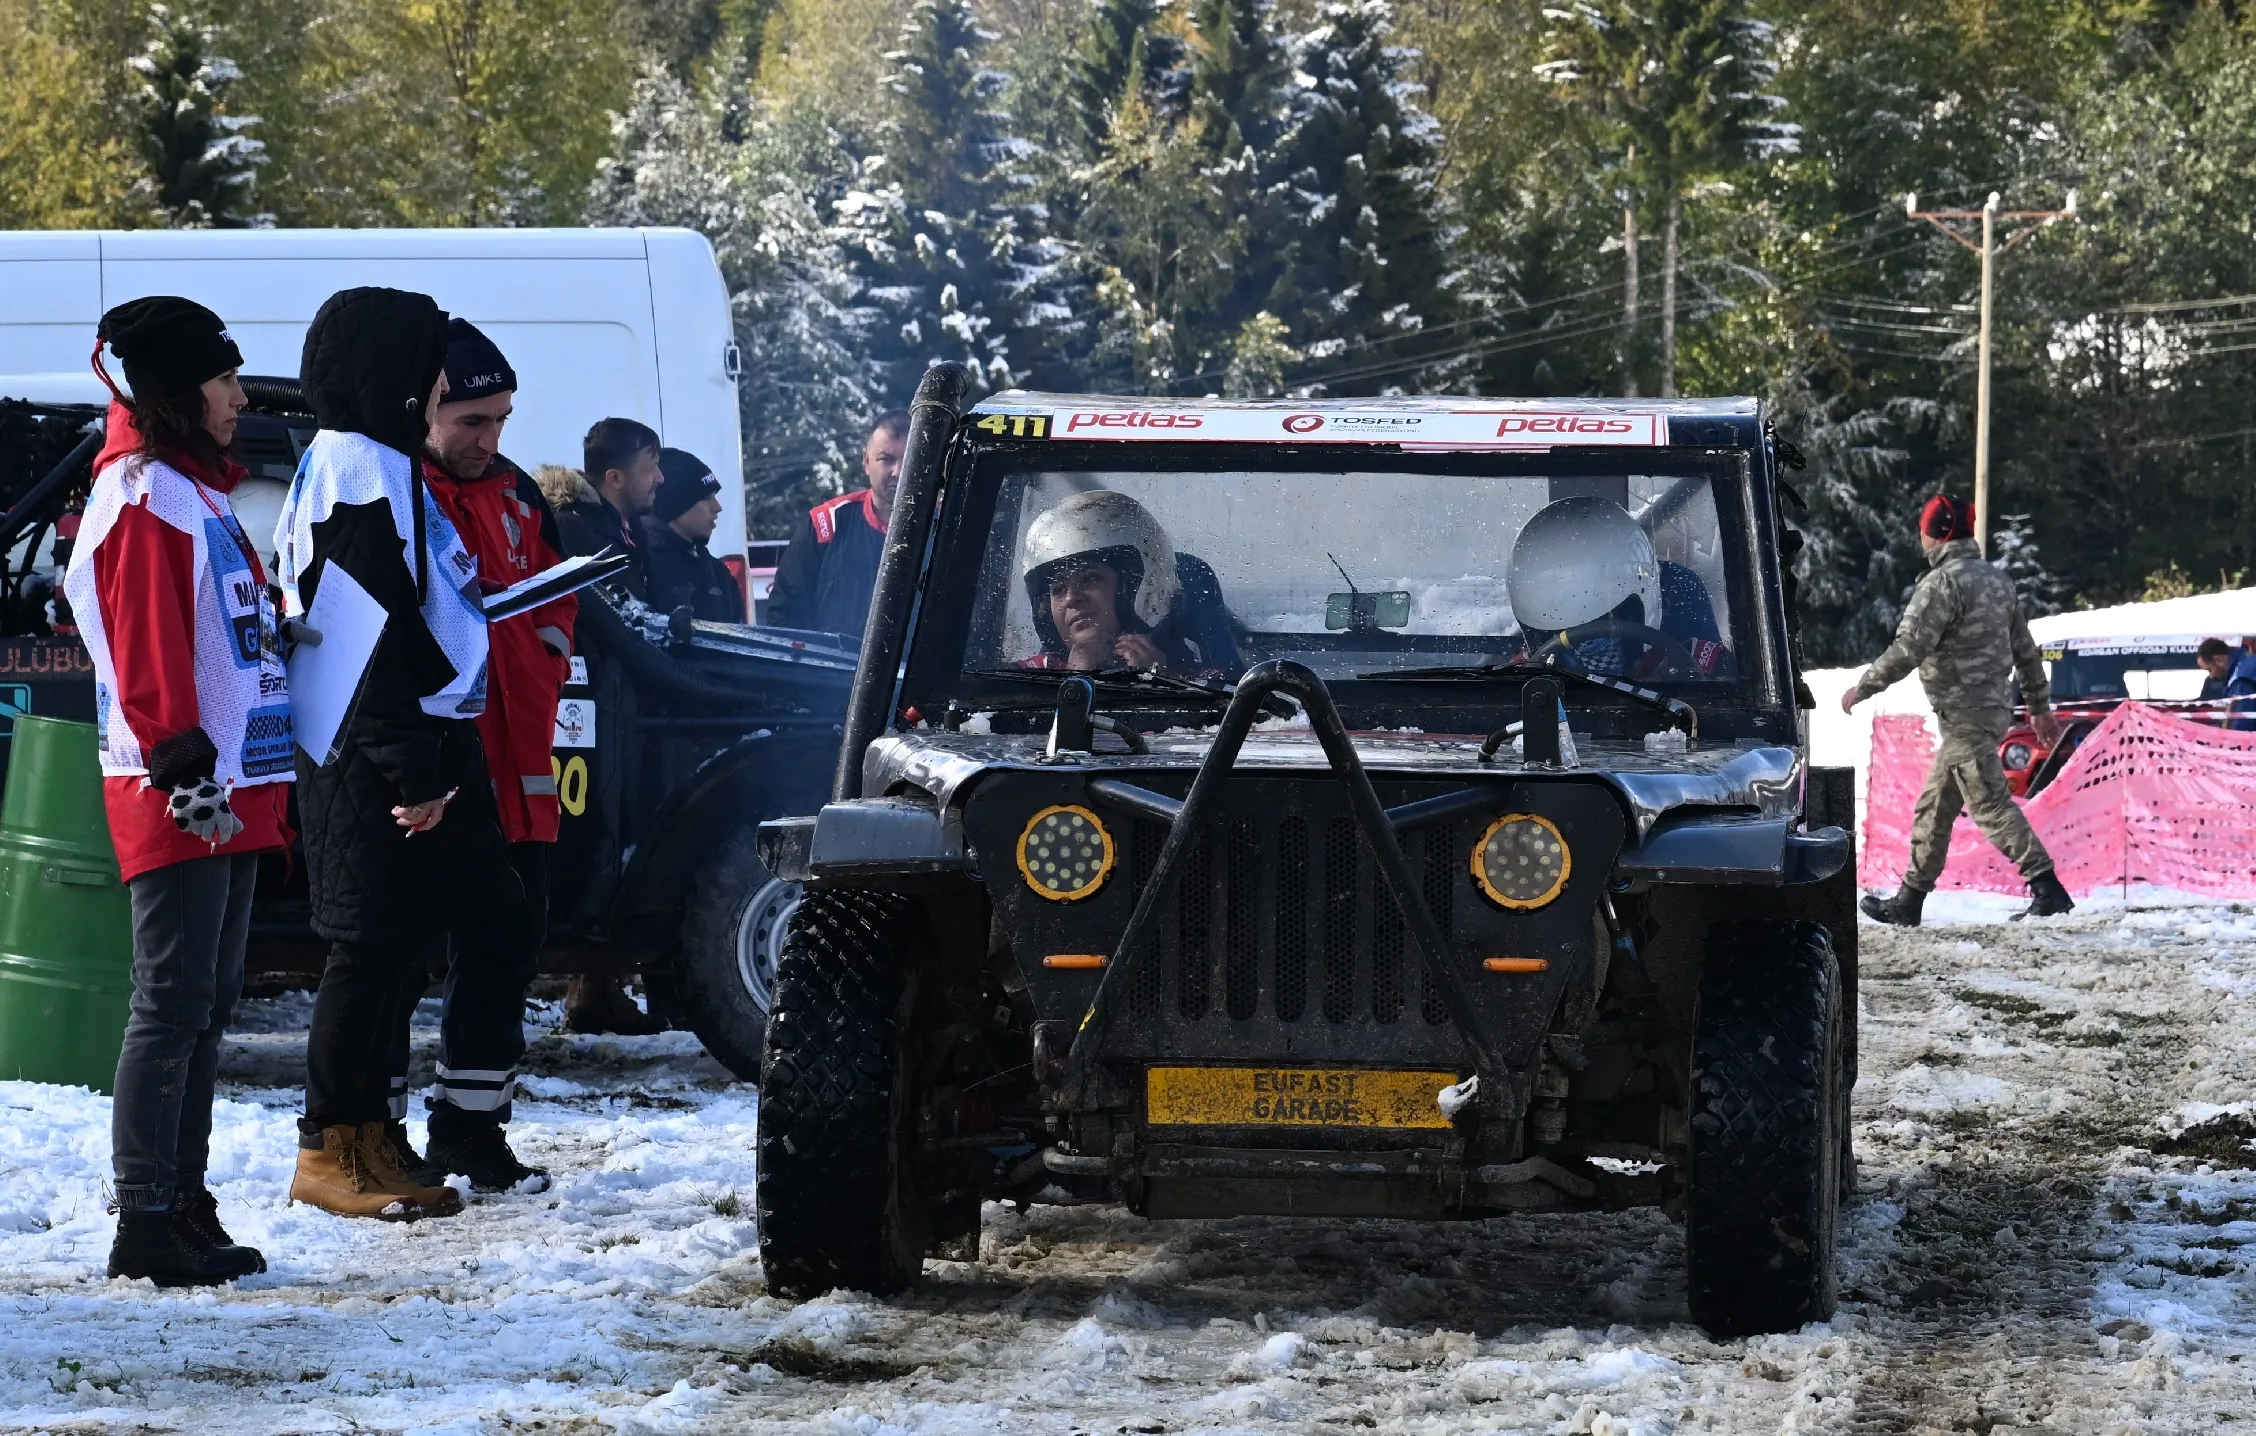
point(66, 926)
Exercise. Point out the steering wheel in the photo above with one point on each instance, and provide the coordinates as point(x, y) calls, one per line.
point(1679, 657)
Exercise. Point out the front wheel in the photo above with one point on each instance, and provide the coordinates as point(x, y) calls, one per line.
point(837, 1198)
point(731, 942)
point(1767, 1111)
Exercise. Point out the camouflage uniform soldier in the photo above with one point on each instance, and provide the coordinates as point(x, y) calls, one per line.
point(1965, 632)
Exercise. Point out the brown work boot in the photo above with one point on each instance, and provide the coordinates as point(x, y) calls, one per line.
point(351, 1174)
point(600, 1003)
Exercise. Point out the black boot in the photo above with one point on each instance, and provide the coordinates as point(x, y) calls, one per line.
point(1901, 910)
point(2047, 898)
point(153, 1245)
point(480, 1151)
point(196, 1213)
point(420, 1171)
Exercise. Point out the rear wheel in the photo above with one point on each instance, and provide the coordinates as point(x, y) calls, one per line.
point(1767, 1113)
point(732, 940)
point(837, 1196)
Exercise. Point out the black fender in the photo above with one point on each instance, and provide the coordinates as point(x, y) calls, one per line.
point(766, 773)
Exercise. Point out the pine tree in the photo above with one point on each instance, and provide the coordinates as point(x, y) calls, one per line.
point(1107, 60)
point(1365, 254)
point(204, 164)
point(949, 242)
point(1240, 77)
point(761, 187)
point(1158, 247)
point(1681, 86)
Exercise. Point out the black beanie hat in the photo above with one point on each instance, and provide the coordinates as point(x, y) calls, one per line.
point(475, 368)
point(169, 345)
point(687, 482)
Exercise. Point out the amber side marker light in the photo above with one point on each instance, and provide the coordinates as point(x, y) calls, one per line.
point(1517, 964)
point(1076, 960)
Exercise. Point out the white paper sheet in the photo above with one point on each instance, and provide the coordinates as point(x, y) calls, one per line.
point(325, 677)
point(552, 583)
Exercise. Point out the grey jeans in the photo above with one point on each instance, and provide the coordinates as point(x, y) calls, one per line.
point(190, 923)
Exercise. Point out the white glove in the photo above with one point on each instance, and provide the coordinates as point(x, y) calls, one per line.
point(199, 809)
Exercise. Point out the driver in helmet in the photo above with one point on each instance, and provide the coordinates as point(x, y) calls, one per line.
point(1584, 579)
point(1102, 580)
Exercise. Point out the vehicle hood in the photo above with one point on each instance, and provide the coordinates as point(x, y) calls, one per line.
point(1767, 779)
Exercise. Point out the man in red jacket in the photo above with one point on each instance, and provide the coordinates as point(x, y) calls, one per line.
point(508, 527)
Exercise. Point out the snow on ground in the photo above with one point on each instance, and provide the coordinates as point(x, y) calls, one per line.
point(2048, 1233)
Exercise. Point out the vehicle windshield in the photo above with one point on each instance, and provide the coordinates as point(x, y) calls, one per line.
point(2146, 672)
point(1358, 574)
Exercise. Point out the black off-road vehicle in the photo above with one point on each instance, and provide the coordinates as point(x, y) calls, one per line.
point(1388, 808)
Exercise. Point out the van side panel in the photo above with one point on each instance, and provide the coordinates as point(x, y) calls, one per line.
point(575, 323)
point(691, 315)
point(50, 303)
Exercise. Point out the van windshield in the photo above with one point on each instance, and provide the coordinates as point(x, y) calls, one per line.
point(1355, 573)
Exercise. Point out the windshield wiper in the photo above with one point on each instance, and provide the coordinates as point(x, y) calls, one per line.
point(1464, 670)
point(1555, 665)
point(1146, 680)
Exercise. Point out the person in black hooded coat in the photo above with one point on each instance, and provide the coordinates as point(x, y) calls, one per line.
point(401, 833)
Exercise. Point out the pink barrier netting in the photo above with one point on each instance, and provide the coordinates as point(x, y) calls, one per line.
point(2148, 798)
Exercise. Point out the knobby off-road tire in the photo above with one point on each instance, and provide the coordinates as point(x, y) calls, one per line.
point(731, 935)
point(1766, 1149)
point(836, 1193)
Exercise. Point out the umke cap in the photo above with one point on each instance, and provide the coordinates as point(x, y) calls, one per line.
point(475, 368)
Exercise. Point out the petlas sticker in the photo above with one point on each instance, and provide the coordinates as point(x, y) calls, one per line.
point(1469, 428)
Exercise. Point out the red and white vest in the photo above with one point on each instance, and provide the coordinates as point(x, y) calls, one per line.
point(242, 688)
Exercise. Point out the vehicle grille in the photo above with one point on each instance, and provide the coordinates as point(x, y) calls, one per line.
point(1287, 919)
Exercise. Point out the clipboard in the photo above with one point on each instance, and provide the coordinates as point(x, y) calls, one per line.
point(326, 677)
point(550, 584)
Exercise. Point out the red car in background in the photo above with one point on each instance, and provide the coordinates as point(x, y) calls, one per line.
point(2090, 677)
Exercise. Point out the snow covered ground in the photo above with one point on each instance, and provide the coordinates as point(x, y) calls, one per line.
point(2049, 1232)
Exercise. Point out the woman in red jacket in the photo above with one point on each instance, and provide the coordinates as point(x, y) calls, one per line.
point(193, 706)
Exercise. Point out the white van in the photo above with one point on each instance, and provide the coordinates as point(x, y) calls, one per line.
point(596, 322)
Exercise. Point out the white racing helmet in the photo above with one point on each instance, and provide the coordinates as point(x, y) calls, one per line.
point(1100, 526)
point(1575, 563)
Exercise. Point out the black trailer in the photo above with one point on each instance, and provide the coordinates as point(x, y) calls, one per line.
point(674, 739)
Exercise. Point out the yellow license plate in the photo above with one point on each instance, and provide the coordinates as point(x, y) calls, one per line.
point(1293, 1097)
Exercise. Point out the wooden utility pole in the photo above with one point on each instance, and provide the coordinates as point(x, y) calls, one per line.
point(1989, 214)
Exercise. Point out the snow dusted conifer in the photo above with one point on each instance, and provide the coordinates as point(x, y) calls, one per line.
point(1241, 77)
point(1682, 88)
point(204, 163)
point(1106, 62)
point(1365, 249)
point(761, 186)
point(947, 237)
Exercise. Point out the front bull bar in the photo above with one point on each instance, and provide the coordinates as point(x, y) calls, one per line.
point(1259, 682)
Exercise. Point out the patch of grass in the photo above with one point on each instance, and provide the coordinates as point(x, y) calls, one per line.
point(796, 1356)
point(728, 1205)
point(2010, 1007)
point(2224, 1141)
point(623, 1239)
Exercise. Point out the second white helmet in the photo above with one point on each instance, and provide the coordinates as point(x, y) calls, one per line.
point(1102, 526)
point(1576, 562)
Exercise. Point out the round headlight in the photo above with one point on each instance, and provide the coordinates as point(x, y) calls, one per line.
point(2017, 756)
point(1065, 853)
point(1521, 861)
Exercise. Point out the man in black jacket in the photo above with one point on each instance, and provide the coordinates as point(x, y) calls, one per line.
point(827, 575)
point(402, 841)
point(683, 573)
point(620, 459)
